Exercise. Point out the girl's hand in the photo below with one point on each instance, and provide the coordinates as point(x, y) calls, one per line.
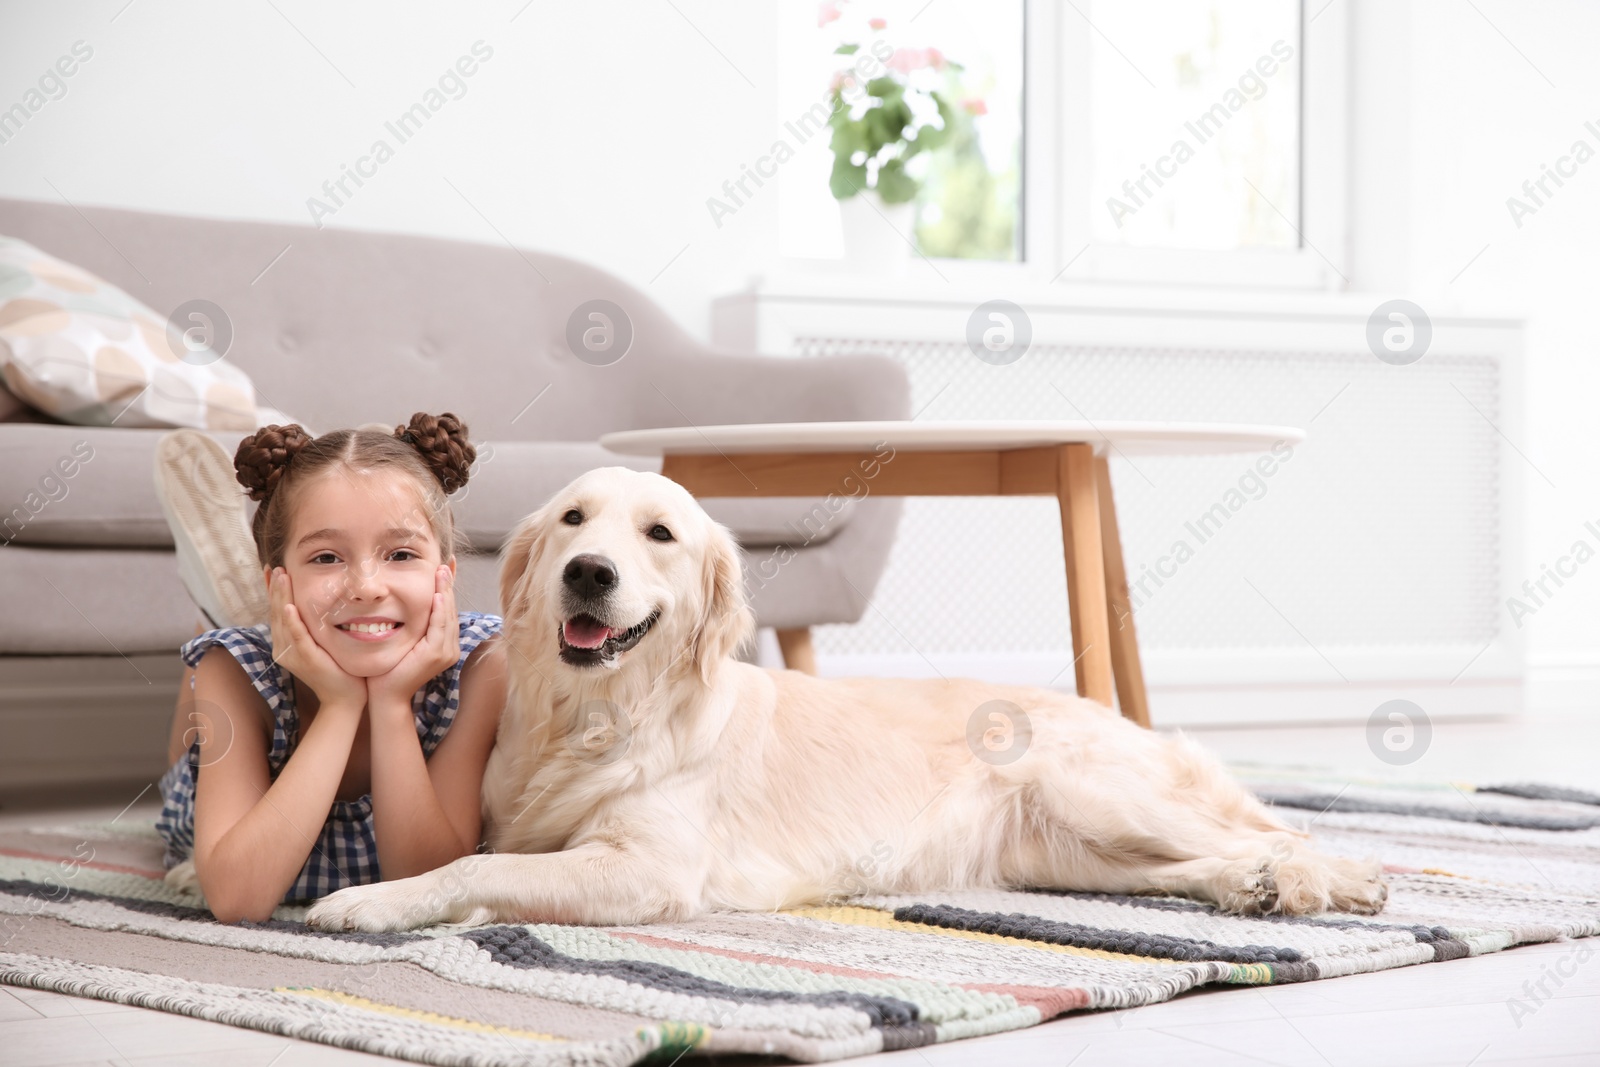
point(295, 648)
point(435, 651)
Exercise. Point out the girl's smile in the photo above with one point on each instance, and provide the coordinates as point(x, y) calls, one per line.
point(370, 628)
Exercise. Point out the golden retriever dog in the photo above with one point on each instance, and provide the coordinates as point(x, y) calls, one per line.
point(642, 773)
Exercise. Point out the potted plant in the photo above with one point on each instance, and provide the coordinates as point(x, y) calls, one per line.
point(884, 114)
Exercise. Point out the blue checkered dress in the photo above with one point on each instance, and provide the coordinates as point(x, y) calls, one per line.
point(347, 852)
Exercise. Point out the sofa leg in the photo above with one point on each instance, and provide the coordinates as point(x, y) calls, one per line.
point(797, 652)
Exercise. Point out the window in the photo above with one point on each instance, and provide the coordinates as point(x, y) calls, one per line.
point(1194, 116)
point(1168, 141)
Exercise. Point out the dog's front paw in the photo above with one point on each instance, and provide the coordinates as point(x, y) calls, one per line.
point(400, 905)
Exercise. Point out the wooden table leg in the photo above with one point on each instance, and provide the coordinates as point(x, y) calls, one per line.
point(1105, 650)
point(1124, 640)
point(1086, 575)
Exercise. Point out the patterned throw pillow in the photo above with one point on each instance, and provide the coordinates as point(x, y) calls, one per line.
point(85, 352)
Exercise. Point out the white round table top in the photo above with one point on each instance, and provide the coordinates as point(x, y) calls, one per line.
point(1124, 438)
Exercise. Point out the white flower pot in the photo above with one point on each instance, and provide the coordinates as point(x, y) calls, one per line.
point(878, 237)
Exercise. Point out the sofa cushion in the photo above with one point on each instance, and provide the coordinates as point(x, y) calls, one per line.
point(82, 350)
point(12, 409)
point(127, 601)
point(122, 602)
point(94, 486)
point(513, 478)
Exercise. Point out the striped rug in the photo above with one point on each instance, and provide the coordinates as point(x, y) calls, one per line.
point(84, 911)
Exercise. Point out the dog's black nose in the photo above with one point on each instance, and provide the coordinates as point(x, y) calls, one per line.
point(590, 576)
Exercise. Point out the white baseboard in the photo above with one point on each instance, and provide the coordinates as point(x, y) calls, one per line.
point(1290, 705)
point(1180, 696)
point(1564, 683)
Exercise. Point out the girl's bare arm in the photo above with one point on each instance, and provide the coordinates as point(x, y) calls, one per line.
point(426, 813)
point(252, 834)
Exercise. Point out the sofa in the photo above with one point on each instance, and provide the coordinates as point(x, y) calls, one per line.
point(339, 328)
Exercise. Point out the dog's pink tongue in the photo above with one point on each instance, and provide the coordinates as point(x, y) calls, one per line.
point(585, 633)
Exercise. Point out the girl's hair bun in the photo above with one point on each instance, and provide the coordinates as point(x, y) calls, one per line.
point(264, 456)
point(442, 442)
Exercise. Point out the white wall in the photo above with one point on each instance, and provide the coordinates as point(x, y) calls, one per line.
point(598, 130)
point(1448, 121)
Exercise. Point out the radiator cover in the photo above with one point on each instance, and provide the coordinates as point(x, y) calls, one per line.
point(1373, 562)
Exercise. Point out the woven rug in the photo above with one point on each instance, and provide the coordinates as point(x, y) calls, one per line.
point(84, 911)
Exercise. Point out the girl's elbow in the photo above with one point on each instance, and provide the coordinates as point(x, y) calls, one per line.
point(233, 908)
point(230, 904)
point(231, 912)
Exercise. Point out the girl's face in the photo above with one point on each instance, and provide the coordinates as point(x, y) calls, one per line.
point(361, 557)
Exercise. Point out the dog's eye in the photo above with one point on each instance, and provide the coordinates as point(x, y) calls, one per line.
point(573, 517)
point(660, 532)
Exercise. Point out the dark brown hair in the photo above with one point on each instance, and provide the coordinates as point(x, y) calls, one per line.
point(432, 449)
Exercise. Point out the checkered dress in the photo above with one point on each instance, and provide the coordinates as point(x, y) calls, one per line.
point(347, 852)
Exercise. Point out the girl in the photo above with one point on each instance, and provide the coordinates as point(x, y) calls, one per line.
point(344, 740)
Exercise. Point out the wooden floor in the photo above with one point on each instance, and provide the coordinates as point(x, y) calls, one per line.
point(1456, 1013)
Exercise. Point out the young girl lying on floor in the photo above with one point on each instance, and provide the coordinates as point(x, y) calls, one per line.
point(344, 740)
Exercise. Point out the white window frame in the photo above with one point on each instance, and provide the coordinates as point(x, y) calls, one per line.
point(1057, 169)
point(1319, 261)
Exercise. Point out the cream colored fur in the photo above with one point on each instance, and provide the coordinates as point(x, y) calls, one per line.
point(736, 787)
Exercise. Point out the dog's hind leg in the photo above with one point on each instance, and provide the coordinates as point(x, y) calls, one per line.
point(1160, 815)
point(1252, 874)
point(1281, 876)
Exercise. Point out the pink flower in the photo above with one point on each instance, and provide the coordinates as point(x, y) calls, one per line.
point(840, 78)
point(827, 12)
point(878, 24)
point(906, 60)
point(975, 106)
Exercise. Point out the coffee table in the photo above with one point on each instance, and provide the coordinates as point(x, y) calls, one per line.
point(1066, 460)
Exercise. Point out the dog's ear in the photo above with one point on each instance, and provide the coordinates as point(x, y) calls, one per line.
point(519, 558)
point(728, 621)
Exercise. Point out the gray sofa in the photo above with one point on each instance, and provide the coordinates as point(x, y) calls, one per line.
point(337, 328)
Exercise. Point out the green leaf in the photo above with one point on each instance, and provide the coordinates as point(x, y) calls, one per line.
point(847, 50)
point(902, 114)
point(894, 184)
point(847, 179)
point(880, 129)
point(849, 136)
point(930, 137)
point(885, 87)
point(888, 124)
